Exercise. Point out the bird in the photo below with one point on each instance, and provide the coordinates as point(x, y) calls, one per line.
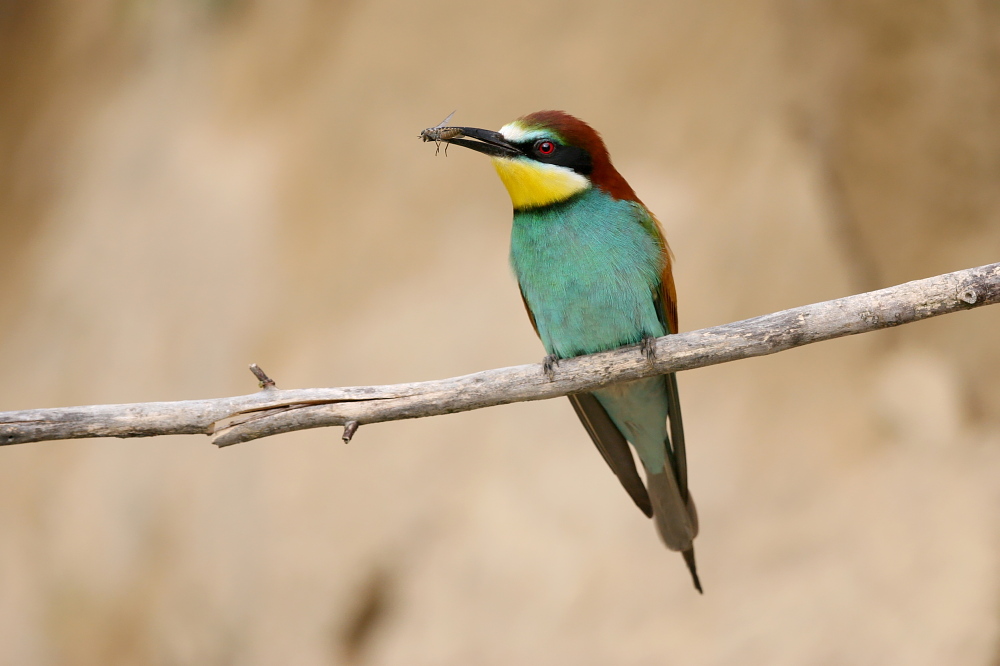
point(595, 273)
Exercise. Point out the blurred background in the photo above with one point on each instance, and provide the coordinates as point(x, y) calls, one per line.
point(188, 186)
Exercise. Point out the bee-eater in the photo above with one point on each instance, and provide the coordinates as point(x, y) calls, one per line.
point(595, 274)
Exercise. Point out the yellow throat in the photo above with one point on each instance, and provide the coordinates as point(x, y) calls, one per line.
point(534, 184)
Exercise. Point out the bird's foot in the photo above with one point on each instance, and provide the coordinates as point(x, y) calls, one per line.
point(548, 366)
point(648, 347)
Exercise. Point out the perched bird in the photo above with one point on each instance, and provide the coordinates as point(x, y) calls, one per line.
point(595, 274)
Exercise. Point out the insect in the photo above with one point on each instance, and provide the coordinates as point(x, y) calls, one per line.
point(440, 133)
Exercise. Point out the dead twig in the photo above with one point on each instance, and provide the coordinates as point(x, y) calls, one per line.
point(272, 411)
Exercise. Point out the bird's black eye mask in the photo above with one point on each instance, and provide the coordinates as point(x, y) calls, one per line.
point(549, 151)
point(488, 142)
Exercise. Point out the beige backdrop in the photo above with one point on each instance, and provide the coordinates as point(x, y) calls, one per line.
point(187, 186)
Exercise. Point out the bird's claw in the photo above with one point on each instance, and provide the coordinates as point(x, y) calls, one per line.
point(548, 366)
point(648, 347)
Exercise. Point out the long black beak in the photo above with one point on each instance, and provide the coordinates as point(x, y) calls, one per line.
point(483, 141)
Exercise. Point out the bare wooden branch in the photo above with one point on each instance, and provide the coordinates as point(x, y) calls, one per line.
point(272, 411)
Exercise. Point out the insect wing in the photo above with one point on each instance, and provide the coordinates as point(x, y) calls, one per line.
point(446, 120)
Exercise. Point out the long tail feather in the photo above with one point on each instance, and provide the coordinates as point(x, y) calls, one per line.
point(613, 447)
point(676, 519)
point(677, 434)
point(693, 568)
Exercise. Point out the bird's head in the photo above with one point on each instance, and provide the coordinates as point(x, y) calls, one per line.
point(545, 158)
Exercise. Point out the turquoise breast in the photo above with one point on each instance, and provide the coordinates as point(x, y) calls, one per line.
point(588, 268)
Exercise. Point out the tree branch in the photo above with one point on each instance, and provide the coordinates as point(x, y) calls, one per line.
point(272, 411)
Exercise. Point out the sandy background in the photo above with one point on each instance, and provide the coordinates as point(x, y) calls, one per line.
point(187, 186)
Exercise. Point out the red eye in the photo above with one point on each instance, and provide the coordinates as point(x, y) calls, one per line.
point(545, 147)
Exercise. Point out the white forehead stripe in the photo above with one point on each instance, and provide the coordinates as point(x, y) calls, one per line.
point(516, 133)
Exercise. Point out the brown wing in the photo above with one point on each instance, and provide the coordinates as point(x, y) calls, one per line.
point(666, 299)
point(668, 294)
point(607, 438)
point(613, 447)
